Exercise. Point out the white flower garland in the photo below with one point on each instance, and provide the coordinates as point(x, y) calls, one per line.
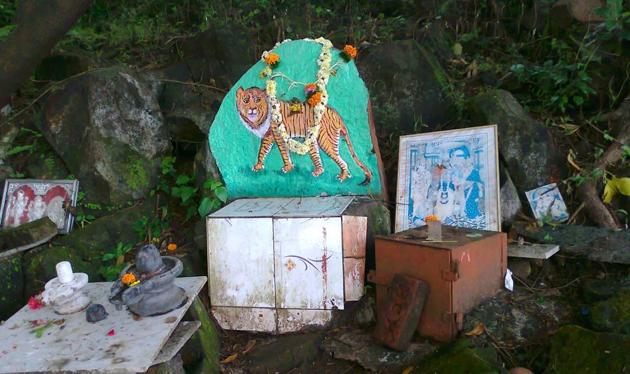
point(320, 108)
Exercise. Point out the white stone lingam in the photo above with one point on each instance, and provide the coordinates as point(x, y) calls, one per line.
point(64, 293)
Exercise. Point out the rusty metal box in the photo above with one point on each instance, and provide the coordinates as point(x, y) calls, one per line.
point(465, 268)
point(279, 264)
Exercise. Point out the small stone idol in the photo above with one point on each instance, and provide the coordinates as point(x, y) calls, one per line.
point(65, 292)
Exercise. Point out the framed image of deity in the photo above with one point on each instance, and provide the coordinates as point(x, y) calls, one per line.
point(451, 174)
point(26, 200)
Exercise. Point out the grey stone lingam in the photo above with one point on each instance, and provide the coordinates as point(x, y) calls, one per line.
point(156, 292)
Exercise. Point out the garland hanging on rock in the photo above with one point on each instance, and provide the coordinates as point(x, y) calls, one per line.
point(316, 93)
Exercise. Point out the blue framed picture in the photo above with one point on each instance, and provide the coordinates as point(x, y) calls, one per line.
point(449, 174)
point(547, 204)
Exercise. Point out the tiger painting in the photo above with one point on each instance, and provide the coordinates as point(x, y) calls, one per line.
point(255, 112)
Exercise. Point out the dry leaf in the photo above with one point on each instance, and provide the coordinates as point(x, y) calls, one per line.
point(230, 358)
point(248, 347)
point(407, 370)
point(478, 330)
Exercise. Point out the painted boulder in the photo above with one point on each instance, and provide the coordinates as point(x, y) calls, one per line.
point(297, 123)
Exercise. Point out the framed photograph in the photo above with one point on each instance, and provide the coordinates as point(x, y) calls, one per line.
point(26, 200)
point(453, 175)
point(547, 203)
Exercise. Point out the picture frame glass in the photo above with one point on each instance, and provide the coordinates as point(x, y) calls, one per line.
point(449, 174)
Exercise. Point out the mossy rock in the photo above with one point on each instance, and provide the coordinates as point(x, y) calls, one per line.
point(601, 289)
point(575, 349)
point(11, 285)
point(612, 315)
point(525, 144)
point(84, 248)
point(460, 357)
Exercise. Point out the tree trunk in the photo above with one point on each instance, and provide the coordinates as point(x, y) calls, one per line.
point(40, 24)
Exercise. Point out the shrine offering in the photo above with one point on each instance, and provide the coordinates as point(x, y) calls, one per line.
point(463, 269)
point(298, 124)
point(65, 292)
point(148, 287)
point(280, 264)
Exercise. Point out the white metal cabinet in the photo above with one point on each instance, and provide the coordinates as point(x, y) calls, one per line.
point(279, 264)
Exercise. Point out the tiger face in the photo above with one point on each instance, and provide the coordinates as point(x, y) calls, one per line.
point(252, 106)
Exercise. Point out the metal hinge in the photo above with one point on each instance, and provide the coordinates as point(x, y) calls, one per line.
point(453, 274)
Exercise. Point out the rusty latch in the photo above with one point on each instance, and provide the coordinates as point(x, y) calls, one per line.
point(453, 274)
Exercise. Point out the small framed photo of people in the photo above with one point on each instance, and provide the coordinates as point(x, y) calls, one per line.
point(547, 204)
point(26, 200)
point(452, 175)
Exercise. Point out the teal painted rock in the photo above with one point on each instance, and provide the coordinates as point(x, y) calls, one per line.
point(235, 135)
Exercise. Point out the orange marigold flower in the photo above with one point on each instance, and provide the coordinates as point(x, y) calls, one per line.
point(272, 59)
point(432, 217)
point(128, 278)
point(350, 51)
point(171, 247)
point(315, 99)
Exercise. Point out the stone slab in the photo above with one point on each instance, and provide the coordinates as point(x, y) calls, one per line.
point(592, 243)
point(534, 250)
point(178, 338)
point(118, 344)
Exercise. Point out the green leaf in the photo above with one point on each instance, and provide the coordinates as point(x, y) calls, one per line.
point(20, 149)
point(221, 193)
point(182, 180)
point(6, 30)
point(206, 206)
point(109, 256)
point(211, 184)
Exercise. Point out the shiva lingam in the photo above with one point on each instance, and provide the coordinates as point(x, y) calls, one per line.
point(65, 292)
point(148, 287)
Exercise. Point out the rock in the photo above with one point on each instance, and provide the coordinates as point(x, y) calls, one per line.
point(11, 285)
point(108, 129)
point(173, 366)
point(407, 85)
point(365, 313)
point(45, 164)
point(61, 66)
point(612, 315)
point(516, 318)
point(601, 289)
point(84, 248)
point(520, 267)
point(205, 166)
point(524, 143)
point(460, 357)
point(284, 353)
point(577, 350)
point(583, 10)
point(592, 243)
point(520, 370)
point(8, 132)
point(221, 53)
point(510, 201)
point(28, 235)
point(360, 347)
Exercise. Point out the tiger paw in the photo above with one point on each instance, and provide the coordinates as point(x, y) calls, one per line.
point(258, 167)
point(287, 168)
point(317, 172)
point(343, 176)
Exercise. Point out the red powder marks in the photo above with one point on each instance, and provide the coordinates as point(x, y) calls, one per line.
point(111, 332)
point(35, 302)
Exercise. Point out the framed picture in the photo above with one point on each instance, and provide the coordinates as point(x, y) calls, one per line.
point(26, 200)
point(453, 175)
point(547, 203)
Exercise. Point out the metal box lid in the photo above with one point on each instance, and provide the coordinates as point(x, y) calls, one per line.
point(330, 206)
point(452, 237)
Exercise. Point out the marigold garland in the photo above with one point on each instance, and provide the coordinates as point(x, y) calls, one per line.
point(315, 99)
point(349, 52)
point(171, 247)
point(432, 218)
